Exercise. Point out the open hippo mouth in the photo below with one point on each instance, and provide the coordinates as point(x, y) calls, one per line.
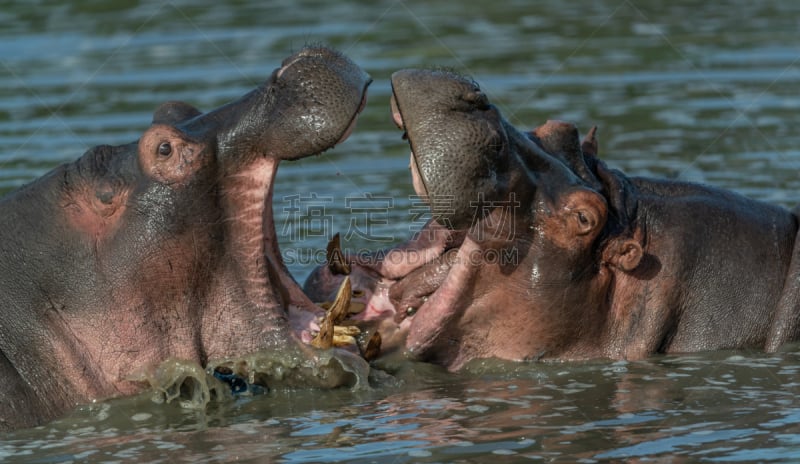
point(417, 292)
point(484, 182)
point(429, 284)
point(410, 294)
point(309, 104)
point(465, 278)
point(479, 177)
point(434, 286)
point(304, 316)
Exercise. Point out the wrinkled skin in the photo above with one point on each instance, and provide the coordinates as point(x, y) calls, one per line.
point(165, 247)
point(561, 257)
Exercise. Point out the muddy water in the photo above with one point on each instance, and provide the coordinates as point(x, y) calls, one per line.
point(701, 91)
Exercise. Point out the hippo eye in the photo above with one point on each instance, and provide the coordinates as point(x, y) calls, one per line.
point(165, 149)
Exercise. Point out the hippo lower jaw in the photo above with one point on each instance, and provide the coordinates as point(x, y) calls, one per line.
point(302, 312)
point(441, 308)
point(421, 293)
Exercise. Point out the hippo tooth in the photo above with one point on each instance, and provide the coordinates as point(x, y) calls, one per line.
point(336, 262)
point(350, 330)
point(337, 312)
point(324, 339)
point(397, 116)
point(341, 304)
point(344, 340)
point(373, 347)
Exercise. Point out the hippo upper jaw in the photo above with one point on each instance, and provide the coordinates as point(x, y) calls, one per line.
point(429, 290)
point(270, 296)
point(330, 119)
point(449, 125)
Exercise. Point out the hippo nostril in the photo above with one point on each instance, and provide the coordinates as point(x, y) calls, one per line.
point(477, 98)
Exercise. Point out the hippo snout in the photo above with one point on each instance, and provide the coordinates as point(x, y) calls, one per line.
point(459, 157)
point(308, 105)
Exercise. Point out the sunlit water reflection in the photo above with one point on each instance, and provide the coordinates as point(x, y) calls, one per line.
point(725, 406)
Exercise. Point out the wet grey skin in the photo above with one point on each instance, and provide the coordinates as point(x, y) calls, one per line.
point(559, 256)
point(165, 247)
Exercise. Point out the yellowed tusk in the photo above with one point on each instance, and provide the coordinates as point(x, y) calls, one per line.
point(373, 348)
point(339, 308)
point(324, 338)
point(343, 340)
point(350, 330)
point(336, 262)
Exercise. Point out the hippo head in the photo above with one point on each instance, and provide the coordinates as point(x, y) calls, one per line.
point(166, 247)
point(515, 214)
point(196, 215)
point(465, 156)
point(537, 249)
point(230, 157)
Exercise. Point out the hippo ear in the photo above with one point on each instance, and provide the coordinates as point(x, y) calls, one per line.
point(623, 253)
point(589, 146)
point(173, 112)
point(562, 140)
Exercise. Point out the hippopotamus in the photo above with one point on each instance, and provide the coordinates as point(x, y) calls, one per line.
point(538, 250)
point(164, 248)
